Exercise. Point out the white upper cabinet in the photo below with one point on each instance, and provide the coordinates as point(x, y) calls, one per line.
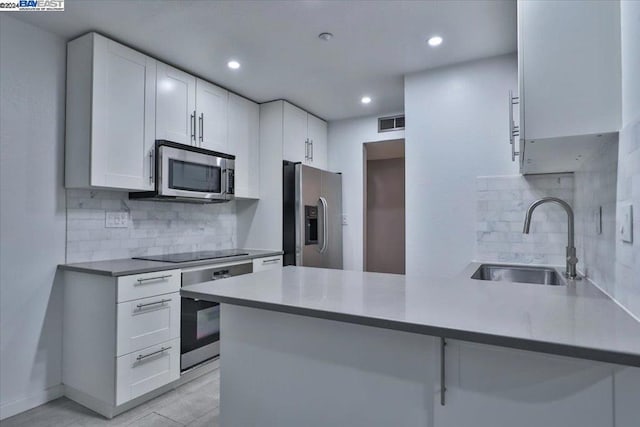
point(317, 133)
point(244, 134)
point(110, 120)
point(304, 138)
point(295, 147)
point(570, 79)
point(211, 108)
point(176, 105)
point(190, 110)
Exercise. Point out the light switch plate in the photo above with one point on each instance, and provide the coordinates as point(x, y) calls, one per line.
point(116, 219)
point(626, 228)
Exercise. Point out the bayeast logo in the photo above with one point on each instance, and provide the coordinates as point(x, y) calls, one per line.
point(32, 6)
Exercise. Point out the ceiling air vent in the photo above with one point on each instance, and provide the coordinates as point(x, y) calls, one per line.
point(386, 124)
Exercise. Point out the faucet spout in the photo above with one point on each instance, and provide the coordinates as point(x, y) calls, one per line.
point(572, 260)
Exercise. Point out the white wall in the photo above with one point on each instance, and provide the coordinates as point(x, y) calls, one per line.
point(345, 148)
point(32, 214)
point(627, 286)
point(456, 130)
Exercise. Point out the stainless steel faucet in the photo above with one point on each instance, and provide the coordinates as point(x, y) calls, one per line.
point(572, 260)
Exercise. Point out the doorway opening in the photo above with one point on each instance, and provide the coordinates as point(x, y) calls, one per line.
point(384, 207)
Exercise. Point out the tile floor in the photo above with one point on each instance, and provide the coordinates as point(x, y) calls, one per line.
point(194, 404)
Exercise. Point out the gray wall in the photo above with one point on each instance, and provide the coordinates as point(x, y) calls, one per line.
point(32, 215)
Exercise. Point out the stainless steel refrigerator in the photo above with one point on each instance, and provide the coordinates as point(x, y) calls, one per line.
point(312, 216)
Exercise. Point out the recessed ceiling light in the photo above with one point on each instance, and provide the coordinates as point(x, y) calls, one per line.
point(234, 65)
point(435, 41)
point(365, 99)
point(325, 36)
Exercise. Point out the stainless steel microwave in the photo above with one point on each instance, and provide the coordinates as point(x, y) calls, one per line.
point(190, 174)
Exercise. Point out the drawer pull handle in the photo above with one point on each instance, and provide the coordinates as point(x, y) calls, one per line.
point(144, 356)
point(270, 261)
point(148, 304)
point(147, 279)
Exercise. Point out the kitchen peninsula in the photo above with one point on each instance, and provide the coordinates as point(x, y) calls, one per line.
point(444, 351)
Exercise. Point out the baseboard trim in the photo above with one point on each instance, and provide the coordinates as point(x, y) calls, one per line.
point(9, 409)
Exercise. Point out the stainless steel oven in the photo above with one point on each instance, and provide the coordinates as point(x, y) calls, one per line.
point(200, 320)
point(190, 174)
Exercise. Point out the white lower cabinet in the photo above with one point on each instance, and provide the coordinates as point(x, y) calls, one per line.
point(488, 386)
point(146, 370)
point(121, 337)
point(145, 322)
point(268, 263)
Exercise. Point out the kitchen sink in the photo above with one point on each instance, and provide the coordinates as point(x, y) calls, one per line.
point(519, 273)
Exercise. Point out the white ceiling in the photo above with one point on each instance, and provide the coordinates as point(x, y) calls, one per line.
point(375, 43)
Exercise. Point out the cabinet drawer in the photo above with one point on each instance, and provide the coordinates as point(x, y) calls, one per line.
point(148, 284)
point(148, 321)
point(143, 371)
point(260, 264)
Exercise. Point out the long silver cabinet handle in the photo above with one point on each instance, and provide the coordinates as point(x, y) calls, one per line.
point(270, 261)
point(306, 149)
point(144, 356)
point(151, 166)
point(147, 279)
point(148, 304)
point(201, 128)
point(193, 126)
point(443, 384)
point(311, 143)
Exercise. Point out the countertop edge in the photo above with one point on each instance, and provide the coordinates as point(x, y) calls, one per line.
point(599, 355)
point(165, 266)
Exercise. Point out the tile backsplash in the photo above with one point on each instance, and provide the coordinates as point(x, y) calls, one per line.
point(595, 189)
point(501, 205)
point(154, 227)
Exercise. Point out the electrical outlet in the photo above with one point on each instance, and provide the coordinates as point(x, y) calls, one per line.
point(345, 220)
point(116, 219)
point(626, 229)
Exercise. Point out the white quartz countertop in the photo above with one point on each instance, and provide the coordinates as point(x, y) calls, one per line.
point(576, 320)
point(127, 266)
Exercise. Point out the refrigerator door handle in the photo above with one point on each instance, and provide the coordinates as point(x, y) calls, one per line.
point(325, 224)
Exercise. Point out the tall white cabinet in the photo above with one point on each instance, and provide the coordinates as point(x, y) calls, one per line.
point(304, 137)
point(110, 119)
point(244, 142)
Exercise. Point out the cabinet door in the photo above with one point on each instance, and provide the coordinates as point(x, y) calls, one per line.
point(123, 116)
point(295, 147)
point(490, 386)
point(145, 370)
point(570, 66)
point(211, 108)
point(244, 129)
point(317, 133)
point(175, 105)
point(146, 322)
point(268, 263)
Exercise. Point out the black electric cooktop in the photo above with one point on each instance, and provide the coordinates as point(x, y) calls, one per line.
point(193, 256)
